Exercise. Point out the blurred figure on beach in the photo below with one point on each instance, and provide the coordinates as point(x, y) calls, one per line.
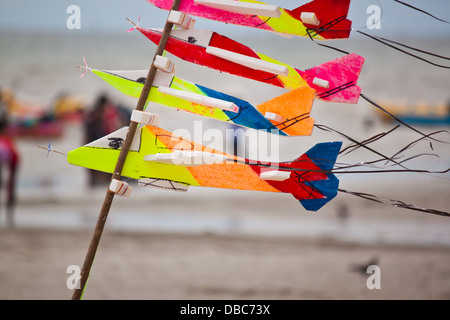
point(9, 161)
point(105, 117)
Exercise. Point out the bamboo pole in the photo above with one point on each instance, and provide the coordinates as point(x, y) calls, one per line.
point(93, 246)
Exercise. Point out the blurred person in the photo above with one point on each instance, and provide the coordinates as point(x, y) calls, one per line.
point(104, 118)
point(9, 161)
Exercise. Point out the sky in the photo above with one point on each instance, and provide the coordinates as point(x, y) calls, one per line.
point(108, 16)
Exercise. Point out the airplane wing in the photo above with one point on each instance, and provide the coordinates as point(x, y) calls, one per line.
point(319, 19)
point(288, 114)
point(334, 81)
point(308, 178)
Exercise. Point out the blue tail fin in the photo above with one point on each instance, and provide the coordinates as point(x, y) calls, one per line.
point(324, 155)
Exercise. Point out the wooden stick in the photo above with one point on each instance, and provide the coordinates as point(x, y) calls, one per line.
point(89, 259)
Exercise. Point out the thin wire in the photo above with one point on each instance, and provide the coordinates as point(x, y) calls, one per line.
point(50, 149)
point(385, 41)
point(420, 10)
point(360, 144)
point(324, 45)
point(397, 119)
point(375, 138)
point(401, 50)
point(394, 203)
point(416, 49)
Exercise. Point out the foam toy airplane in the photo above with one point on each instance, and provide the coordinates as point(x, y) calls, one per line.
point(159, 159)
point(323, 19)
point(287, 114)
point(333, 81)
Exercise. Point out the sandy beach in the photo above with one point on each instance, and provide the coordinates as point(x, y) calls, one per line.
point(161, 266)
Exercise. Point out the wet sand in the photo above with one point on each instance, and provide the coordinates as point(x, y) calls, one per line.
point(169, 266)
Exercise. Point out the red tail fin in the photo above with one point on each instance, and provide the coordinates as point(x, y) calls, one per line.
point(313, 183)
point(340, 76)
point(332, 15)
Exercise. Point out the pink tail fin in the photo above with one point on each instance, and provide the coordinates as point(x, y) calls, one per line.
point(336, 80)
